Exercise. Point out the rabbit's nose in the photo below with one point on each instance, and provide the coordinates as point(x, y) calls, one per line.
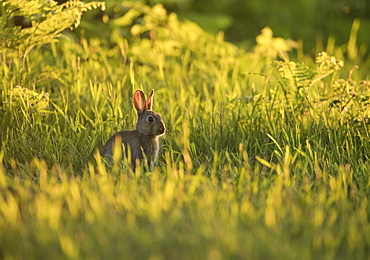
point(162, 129)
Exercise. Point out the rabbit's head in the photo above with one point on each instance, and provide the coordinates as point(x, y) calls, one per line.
point(148, 122)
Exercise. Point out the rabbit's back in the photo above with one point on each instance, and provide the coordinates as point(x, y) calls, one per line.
point(134, 142)
point(123, 136)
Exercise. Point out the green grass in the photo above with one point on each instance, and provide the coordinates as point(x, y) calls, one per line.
point(253, 166)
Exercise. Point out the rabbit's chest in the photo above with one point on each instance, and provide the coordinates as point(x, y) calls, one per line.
point(151, 148)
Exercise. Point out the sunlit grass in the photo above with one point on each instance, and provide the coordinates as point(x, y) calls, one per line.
point(247, 169)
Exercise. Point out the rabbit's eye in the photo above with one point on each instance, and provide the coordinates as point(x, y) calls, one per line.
point(150, 119)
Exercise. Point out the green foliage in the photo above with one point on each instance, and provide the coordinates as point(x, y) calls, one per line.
point(22, 107)
point(259, 161)
point(271, 47)
point(300, 79)
point(346, 95)
point(23, 98)
point(302, 76)
point(310, 21)
point(47, 21)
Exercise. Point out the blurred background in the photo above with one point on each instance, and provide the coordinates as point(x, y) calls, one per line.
point(306, 20)
point(312, 22)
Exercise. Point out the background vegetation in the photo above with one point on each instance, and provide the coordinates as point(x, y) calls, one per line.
point(312, 22)
point(266, 154)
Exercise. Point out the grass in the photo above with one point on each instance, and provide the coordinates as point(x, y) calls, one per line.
point(254, 165)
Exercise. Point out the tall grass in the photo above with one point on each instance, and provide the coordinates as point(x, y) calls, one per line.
point(252, 166)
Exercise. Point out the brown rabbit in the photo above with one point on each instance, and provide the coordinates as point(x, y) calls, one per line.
point(149, 128)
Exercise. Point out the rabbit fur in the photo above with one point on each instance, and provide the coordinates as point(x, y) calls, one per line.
point(145, 138)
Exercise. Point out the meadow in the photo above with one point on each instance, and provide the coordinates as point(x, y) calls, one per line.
point(265, 156)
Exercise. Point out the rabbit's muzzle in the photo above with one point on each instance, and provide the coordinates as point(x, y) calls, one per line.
point(160, 130)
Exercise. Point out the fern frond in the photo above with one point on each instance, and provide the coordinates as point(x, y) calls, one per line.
point(300, 75)
point(24, 8)
point(77, 8)
point(297, 73)
point(48, 21)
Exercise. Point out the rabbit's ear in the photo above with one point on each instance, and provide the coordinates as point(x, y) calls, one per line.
point(149, 101)
point(139, 101)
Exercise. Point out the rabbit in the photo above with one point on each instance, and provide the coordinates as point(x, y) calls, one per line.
point(145, 138)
